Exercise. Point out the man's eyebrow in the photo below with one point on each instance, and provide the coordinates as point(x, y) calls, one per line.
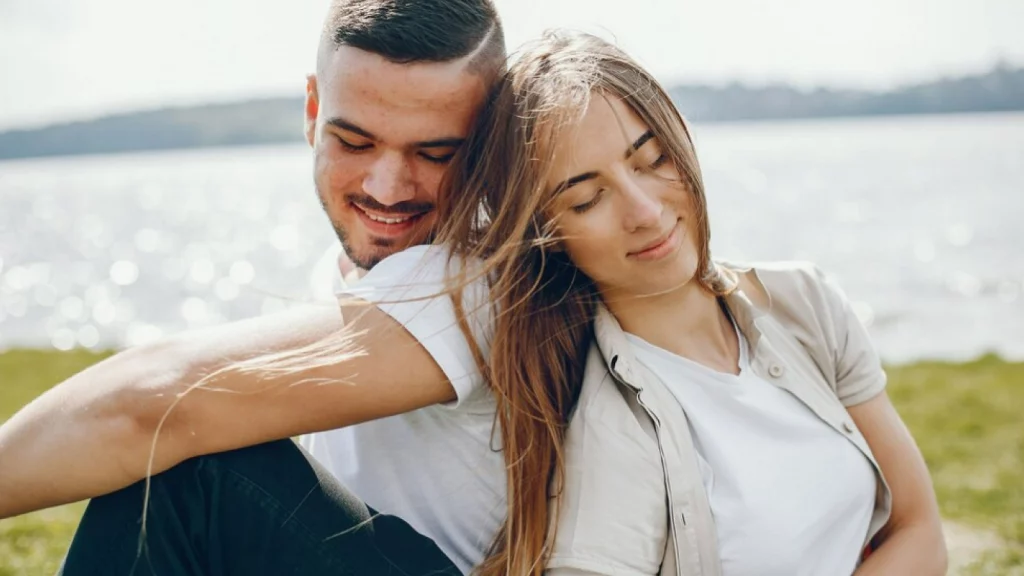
point(350, 127)
point(573, 181)
point(639, 142)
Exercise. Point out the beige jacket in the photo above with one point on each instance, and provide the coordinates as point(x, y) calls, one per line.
point(633, 502)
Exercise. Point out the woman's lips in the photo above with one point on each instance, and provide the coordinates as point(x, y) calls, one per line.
point(659, 248)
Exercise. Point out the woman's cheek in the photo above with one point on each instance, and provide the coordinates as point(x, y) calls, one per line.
point(593, 251)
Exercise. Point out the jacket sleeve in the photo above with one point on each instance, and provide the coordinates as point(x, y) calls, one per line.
point(858, 369)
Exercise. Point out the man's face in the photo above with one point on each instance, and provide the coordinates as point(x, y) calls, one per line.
point(382, 135)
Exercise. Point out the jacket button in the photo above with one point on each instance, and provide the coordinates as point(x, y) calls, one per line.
point(848, 427)
point(776, 371)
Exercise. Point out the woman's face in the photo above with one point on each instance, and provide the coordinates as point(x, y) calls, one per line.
point(624, 217)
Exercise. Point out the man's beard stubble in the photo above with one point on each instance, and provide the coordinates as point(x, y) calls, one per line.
point(385, 246)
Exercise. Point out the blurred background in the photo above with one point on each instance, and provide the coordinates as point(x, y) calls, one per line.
point(153, 179)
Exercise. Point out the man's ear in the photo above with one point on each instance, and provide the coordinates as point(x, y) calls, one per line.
point(312, 108)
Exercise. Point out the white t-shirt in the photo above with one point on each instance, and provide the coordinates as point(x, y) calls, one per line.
point(790, 496)
point(438, 468)
point(776, 510)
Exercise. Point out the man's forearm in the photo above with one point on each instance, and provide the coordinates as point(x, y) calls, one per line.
point(73, 442)
point(211, 390)
point(44, 463)
point(94, 433)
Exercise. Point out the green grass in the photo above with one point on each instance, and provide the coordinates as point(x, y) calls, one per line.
point(967, 418)
point(35, 543)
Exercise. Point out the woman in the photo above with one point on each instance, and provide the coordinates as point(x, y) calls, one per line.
point(729, 420)
point(748, 399)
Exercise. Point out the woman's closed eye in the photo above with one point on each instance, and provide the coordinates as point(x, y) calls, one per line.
point(581, 208)
point(653, 165)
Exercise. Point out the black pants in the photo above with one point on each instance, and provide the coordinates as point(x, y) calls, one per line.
point(269, 509)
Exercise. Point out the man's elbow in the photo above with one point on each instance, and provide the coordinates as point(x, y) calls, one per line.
point(144, 415)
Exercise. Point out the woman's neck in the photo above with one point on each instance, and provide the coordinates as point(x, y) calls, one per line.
point(688, 322)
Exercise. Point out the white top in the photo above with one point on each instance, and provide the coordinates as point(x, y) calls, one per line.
point(776, 510)
point(790, 496)
point(435, 467)
point(325, 279)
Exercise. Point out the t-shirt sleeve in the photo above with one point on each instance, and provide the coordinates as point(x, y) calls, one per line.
point(412, 287)
point(325, 280)
point(859, 373)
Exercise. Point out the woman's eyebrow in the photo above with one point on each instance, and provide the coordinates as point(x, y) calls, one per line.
point(565, 185)
point(639, 142)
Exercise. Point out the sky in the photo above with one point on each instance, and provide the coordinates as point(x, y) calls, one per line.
point(69, 59)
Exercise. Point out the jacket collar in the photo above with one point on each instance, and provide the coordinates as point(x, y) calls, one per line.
point(618, 354)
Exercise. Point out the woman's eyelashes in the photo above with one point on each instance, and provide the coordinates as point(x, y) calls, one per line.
point(652, 165)
point(581, 208)
point(649, 167)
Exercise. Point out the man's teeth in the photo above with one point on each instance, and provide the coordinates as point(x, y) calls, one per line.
point(387, 220)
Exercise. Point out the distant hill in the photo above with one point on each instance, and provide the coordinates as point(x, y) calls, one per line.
point(251, 122)
point(278, 120)
point(1001, 89)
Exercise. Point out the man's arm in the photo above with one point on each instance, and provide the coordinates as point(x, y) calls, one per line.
point(97, 431)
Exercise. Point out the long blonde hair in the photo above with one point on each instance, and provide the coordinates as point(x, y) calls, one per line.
point(493, 207)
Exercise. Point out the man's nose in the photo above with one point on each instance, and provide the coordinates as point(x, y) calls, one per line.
point(389, 180)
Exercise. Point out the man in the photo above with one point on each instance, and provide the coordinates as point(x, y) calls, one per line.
point(397, 85)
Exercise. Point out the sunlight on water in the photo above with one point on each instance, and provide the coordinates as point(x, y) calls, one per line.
point(242, 272)
point(124, 273)
point(202, 271)
point(918, 218)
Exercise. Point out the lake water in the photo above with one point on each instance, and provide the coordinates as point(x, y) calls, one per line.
point(921, 219)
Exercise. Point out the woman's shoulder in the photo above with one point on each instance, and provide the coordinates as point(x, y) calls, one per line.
point(806, 303)
point(797, 294)
point(793, 270)
point(779, 282)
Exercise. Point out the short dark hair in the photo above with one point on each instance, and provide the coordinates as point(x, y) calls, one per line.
point(405, 31)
